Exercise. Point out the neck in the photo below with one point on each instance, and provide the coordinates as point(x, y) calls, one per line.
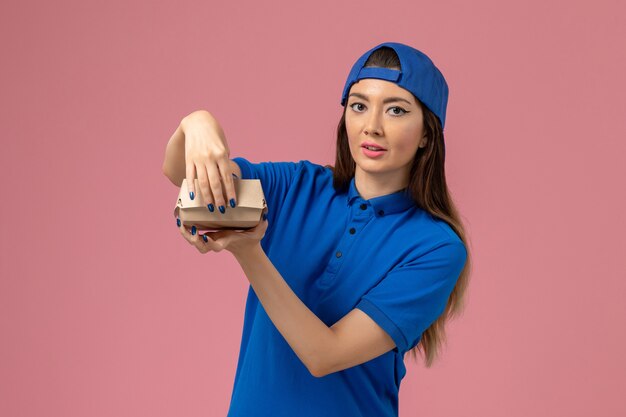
point(372, 184)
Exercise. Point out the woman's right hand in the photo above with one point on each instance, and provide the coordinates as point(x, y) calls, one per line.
point(207, 158)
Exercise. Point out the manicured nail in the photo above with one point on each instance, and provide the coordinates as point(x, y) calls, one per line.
point(211, 208)
point(264, 216)
point(222, 209)
point(193, 230)
point(206, 239)
point(177, 222)
point(191, 195)
point(232, 202)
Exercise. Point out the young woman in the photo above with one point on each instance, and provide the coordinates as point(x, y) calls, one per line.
point(355, 264)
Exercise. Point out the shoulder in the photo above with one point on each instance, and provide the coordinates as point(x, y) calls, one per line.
point(314, 168)
point(314, 174)
point(446, 232)
point(423, 233)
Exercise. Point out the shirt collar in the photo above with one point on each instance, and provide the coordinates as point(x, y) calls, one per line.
point(384, 204)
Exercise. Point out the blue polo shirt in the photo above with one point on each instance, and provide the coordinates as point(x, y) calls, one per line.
point(338, 251)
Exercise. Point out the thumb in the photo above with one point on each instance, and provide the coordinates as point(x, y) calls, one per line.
point(220, 234)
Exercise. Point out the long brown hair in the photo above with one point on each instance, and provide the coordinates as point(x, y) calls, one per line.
point(427, 185)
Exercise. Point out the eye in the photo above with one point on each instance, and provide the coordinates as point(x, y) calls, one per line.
point(355, 104)
point(399, 108)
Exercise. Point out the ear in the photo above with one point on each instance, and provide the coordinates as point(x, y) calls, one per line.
point(424, 141)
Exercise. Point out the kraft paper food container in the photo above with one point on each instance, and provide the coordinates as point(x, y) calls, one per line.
point(245, 215)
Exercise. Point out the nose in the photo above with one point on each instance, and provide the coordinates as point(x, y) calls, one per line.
point(373, 124)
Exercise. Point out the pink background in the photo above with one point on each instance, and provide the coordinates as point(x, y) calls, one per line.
point(105, 310)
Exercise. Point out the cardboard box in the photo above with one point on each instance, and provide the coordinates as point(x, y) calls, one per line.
point(246, 214)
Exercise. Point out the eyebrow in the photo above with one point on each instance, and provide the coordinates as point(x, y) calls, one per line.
point(385, 101)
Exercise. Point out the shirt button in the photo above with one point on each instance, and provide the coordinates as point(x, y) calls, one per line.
point(363, 206)
point(381, 212)
point(352, 230)
point(338, 254)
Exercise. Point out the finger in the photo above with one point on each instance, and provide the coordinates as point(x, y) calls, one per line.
point(203, 180)
point(200, 244)
point(194, 238)
point(209, 242)
point(216, 185)
point(204, 243)
point(190, 174)
point(220, 235)
point(186, 232)
point(190, 233)
point(228, 181)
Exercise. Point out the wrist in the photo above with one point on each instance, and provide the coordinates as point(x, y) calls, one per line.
point(248, 252)
point(198, 116)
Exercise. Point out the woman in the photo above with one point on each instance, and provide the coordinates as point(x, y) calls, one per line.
point(355, 264)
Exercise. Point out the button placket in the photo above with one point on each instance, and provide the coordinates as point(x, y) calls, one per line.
point(360, 217)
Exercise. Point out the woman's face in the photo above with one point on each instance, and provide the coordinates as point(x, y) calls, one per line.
point(393, 120)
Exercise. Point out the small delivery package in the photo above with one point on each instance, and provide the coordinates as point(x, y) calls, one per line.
point(245, 215)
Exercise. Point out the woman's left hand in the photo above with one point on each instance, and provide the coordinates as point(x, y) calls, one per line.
point(233, 241)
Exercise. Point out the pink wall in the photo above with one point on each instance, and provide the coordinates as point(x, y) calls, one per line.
point(105, 310)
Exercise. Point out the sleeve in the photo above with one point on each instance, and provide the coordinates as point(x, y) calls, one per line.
point(276, 178)
point(412, 296)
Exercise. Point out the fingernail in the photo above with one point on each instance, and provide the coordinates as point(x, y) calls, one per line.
point(222, 209)
point(206, 239)
point(191, 195)
point(177, 222)
point(264, 216)
point(232, 202)
point(193, 230)
point(211, 208)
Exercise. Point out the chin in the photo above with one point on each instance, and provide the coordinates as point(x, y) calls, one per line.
point(370, 166)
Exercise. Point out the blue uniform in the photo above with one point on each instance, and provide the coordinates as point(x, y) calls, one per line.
point(338, 251)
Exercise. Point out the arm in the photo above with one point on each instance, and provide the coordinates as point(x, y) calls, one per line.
point(174, 163)
point(353, 340)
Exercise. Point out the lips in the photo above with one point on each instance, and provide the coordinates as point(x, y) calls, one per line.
point(373, 145)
